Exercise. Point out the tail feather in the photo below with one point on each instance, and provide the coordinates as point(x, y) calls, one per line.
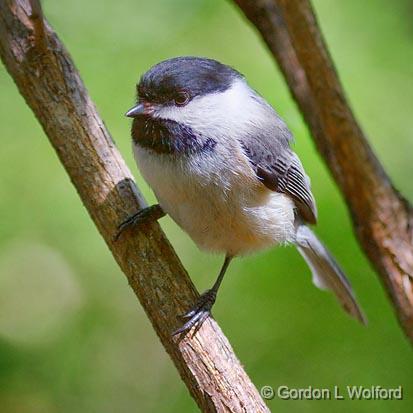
point(326, 272)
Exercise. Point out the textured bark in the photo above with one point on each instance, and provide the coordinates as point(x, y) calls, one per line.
point(382, 218)
point(48, 80)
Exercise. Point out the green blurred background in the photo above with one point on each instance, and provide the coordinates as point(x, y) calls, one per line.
point(73, 336)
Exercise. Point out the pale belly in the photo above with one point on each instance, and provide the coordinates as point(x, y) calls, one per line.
point(222, 211)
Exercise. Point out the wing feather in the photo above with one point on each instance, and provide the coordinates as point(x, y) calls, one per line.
point(280, 170)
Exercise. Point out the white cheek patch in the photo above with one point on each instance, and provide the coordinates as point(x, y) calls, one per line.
point(220, 113)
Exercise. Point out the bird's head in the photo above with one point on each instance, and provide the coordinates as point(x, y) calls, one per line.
point(173, 88)
point(183, 89)
point(185, 103)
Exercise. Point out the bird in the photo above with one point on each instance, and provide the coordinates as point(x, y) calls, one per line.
point(220, 162)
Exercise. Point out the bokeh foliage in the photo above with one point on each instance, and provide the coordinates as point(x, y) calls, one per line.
point(72, 335)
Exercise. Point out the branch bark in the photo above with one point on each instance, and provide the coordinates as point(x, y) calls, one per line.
point(382, 218)
point(48, 80)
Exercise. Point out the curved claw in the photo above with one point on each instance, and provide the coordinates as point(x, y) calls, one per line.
point(125, 224)
point(189, 314)
point(148, 214)
point(198, 313)
point(197, 320)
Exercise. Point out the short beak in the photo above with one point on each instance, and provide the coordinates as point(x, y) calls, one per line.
point(139, 109)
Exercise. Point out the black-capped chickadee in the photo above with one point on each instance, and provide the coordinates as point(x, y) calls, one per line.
point(218, 159)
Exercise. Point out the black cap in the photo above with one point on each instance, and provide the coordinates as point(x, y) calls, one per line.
point(196, 76)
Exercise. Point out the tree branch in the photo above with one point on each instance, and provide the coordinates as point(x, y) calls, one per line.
point(51, 85)
point(382, 218)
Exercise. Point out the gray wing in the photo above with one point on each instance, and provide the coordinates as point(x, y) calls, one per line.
point(280, 169)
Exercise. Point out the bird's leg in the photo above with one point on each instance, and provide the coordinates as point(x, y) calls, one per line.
point(148, 214)
point(202, 308)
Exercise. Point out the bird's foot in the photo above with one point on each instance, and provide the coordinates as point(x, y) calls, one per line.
point(198, 313)
point(145, 215)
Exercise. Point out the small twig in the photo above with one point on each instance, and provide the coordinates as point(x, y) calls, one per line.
point(37, 17)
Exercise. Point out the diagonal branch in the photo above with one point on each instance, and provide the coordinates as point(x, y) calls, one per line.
point(48, 80)
point(382, 218)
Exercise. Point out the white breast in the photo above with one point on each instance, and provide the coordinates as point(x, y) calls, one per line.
point(218, 201)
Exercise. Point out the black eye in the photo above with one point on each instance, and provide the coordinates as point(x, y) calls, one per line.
point(182, 98)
